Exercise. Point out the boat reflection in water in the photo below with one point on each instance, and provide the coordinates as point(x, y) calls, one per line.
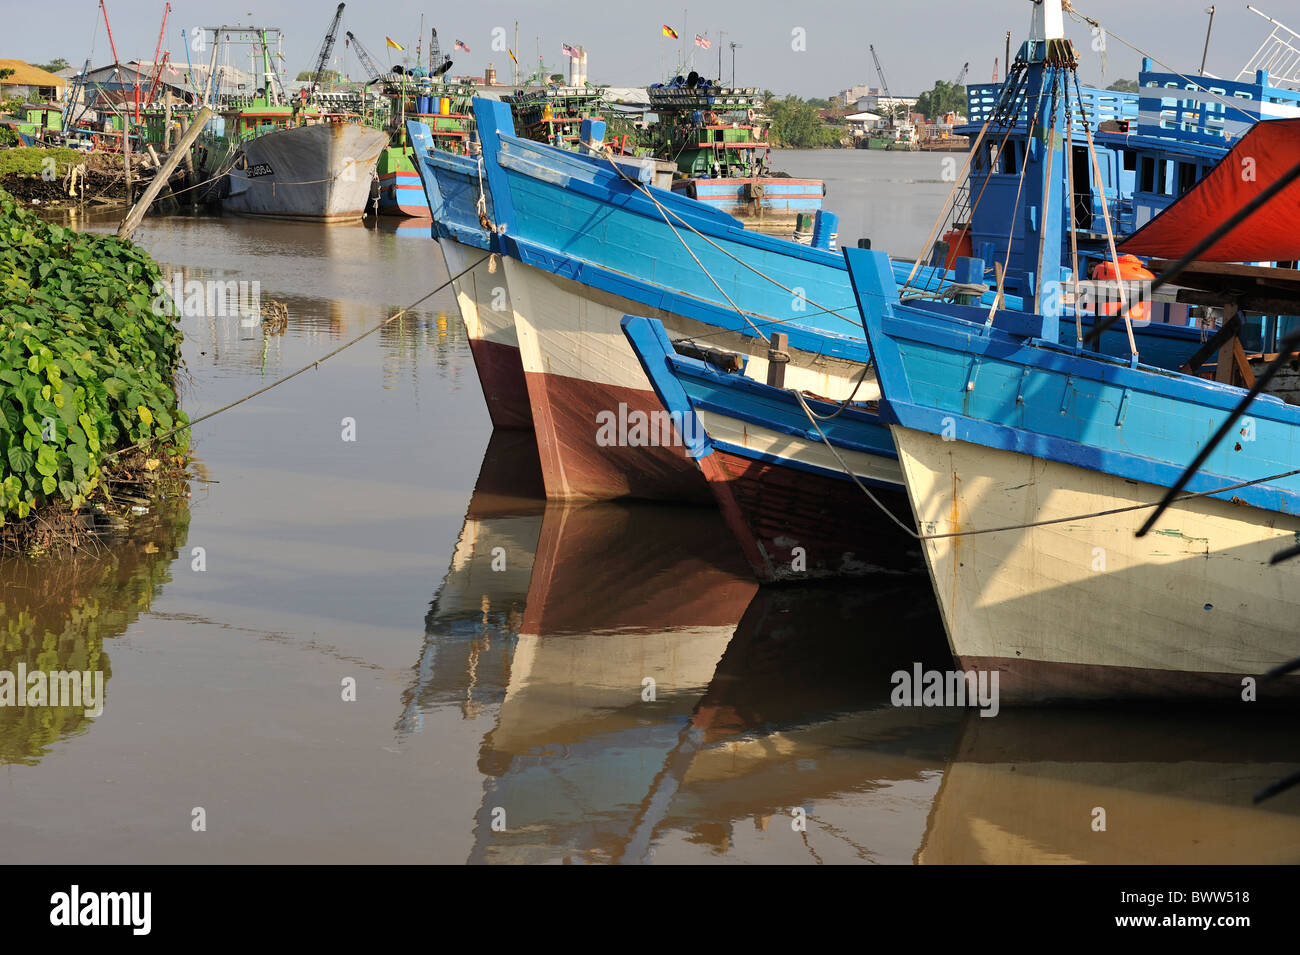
point(771, 702)
point(1175, 787)
point(473, 622)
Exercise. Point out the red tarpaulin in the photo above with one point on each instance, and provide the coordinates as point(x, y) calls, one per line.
point(1266, 153)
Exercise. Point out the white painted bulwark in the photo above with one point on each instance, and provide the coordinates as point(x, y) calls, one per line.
point(1084, 608)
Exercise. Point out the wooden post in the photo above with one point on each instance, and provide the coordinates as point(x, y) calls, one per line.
point(1227, 357)
point(160, 178)
point(167, 128)
point(777, 359)
point(126, 150)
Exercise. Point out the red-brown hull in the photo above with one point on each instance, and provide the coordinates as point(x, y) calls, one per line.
point(772, 509)
point(501, 374)
point(576, 467)
point(1023, 681)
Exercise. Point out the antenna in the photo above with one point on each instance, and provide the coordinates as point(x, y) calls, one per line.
point(1205, 55)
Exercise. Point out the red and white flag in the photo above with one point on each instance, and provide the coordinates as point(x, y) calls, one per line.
point(461, 45)
point(703, 41)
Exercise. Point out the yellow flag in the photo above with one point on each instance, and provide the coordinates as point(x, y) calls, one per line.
point(669, 31)
point(512, 54)
point(395, 46)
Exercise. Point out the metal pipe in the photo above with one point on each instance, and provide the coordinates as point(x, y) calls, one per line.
point(1205, 55)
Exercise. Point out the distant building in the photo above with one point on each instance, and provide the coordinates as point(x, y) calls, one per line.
point(30, 82)
point(877, 101)
point(117, 83)
point(859, 124)
point(854, 93)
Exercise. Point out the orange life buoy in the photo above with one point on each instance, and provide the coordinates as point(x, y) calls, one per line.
point(1131, 270)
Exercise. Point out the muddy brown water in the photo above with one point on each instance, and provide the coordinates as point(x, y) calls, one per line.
point(500, 647)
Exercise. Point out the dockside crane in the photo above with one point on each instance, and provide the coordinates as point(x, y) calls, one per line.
point(326, 50)
point(367, 61)
point(884, 86)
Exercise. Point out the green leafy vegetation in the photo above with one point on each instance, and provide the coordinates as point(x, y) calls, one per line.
point(30, 160)
point(796, 125)
point(942, 98)
point(56, 64)
point(88, 360)
point(1124, 86)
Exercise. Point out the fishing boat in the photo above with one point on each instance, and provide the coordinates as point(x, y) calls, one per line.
point(462, 212)
point(263, 155)
point(1034, 473)
point(793, 500)
point(553, 114)
point(719, 141)
point(443, 109)
point(791, 471)
point(711, 280)
point(586, 239)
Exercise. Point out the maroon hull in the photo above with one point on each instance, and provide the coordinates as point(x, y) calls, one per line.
point(576, 467)
point(501, 373)
point(773, 508)
point(1040, 681)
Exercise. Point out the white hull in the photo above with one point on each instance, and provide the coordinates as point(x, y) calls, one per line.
point(570, 329)
point(482, 294)
point(1084, 609)
point(579, 367)
point(317, 172)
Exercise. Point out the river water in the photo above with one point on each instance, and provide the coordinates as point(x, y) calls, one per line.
point(391, 649)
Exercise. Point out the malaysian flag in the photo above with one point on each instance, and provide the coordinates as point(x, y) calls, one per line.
point(461, 45)
point(568, 50)
point(702, 40)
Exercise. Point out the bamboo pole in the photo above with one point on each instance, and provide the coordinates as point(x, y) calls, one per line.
point(160, 179)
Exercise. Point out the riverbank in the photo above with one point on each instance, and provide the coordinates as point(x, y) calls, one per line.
point(61, 178)
point(89, 368)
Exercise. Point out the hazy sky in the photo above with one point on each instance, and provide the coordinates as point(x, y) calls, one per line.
point(919, 41)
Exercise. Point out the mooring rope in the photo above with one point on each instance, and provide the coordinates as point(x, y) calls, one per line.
point(315, 364)
point(664, 212)
point(916, 535)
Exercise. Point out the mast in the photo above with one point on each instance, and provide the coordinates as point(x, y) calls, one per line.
point(1050, 63)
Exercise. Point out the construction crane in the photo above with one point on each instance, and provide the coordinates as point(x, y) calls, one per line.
point(961, 77)
point(326, 49)
point(157, 63)
point(367, 61)
point(438, 64)
point(157, 77)
point(884, 86)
